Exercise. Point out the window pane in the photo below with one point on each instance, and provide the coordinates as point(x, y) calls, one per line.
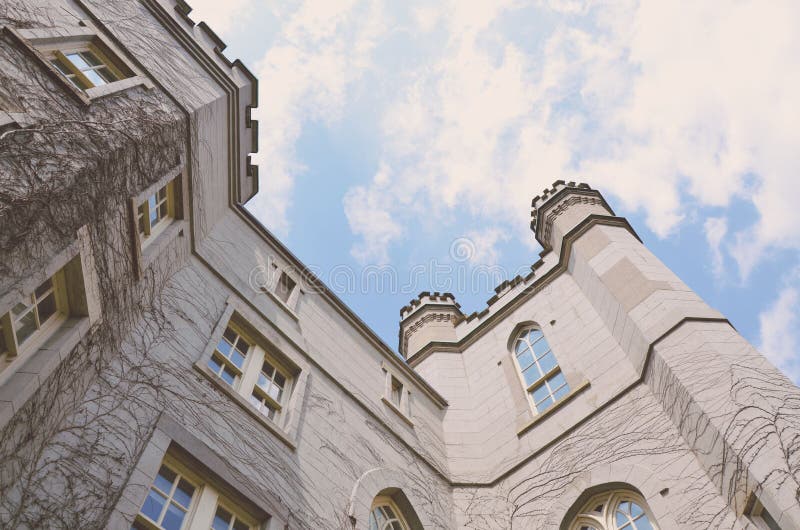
point(228, 376)
point(165, 479)
point(42, 289)
point(644, 524)
point(78, 61)
point(239, 525)
point(547, 363)
point(540, 393)
point(91, 58)
point(107, 75)
point(237, 359)
point(561, 392)
point(20, 308)
point(255, 400)
point(183, 493)
point(525, 359)
point(540, 347)
point(275, 393)
point(242, 345)
point(47, 307)
point(280, 380)
point(636, 511)
point(25, 327)
point(61, 68)
point(534, 335)
point(94, 78)
point(224, 348)
point(267, 369)
point(557, 380)
point(521, 346)
point(544, 405)
point(531, 375)
point(214, 364)
point(221, 519)
point(230, 335)
point(173, 519)
point(153, 504)
point(373, 524)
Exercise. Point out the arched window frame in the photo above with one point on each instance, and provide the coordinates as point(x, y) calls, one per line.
point(551, 386)
point(380, 503)
point(589, 517)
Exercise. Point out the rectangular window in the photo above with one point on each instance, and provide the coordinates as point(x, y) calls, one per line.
point(397, 392)
point(284, 287)
point(228, 358)
point(86, 65)
point(251, 371)
point(33, 319)
point(180, 499)
point(156, 212)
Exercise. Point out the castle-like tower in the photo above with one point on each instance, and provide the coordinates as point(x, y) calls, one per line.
point(165, 362)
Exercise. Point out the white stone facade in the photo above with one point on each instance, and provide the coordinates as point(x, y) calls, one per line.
point(665, 400)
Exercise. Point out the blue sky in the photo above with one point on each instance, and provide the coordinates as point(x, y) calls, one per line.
point(401, 132)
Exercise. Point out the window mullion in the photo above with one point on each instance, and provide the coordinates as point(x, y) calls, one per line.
point(250, 370)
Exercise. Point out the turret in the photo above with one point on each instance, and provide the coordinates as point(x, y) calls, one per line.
point(561, 208)
point(431, 317)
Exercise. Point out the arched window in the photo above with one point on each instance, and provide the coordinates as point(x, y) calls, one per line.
point(385, 515)
point(541, 375)
point(616, 510)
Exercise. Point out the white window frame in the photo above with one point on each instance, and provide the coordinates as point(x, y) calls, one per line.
point(545, 378)
point(205, 501)
point(284, 357)
point(274, 279)
point(148, 231)
point(605, 518)
point(49, 44)
point(396, 394)
point(379, 505)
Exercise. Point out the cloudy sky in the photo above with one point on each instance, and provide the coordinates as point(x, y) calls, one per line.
point(399, 132)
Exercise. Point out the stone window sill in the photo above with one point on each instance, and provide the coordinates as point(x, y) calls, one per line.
point(19, 385)
point(270, 425)
point(154, 245)
point(547, 413)
point(397, 411)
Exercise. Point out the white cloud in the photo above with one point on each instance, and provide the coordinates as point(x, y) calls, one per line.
point(484, 245)
point(323, 48)
point(715, 229)
point(779, 332)
point(367, 213)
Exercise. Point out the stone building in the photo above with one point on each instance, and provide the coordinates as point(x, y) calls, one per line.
point(166, 362)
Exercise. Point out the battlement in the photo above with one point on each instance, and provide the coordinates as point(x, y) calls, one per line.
point(562, 207)
point(430, 317)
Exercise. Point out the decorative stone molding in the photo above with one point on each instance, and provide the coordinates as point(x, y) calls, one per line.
point(390, 482)
point(433, 317)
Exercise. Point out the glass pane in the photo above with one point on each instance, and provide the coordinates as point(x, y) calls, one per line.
point(561, 392)
point(222, 519)
point(47, 307)
point(242, 345)
point(540, 393)
point(224, 348)
point(61, 68)
point(94, 78)
point(520, 347)
point(153, 504)
point(267, 369)
point(557, 380)
point(525, 359)
point(544, 405)
point(540, 347)
point(534, 335)
point(183, 493)
point(162, 193)
point(255, 400)
point(42, 289)
point(397, 526)
point(228, 376)
point(644, 524)
point(141, 225)
point(20, 308)
point(107, 75)
point(373, 524)
point(239, 525)
point(165, 479)
point(280, 380)
point(91, 58)
point(531, 375)
point(620, 518)
point(389, 512)
point(237, 359)
point(263, 382)
point(636, 511)
point(25, 327)
point(547, 363)
point(214, 364)
point(275, 393)
point(162, 210)
point(230, 335)
point(173, 519)
point(78, 61)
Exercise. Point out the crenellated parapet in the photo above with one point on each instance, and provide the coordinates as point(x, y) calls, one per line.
point(561, 208)
point(430, 317)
